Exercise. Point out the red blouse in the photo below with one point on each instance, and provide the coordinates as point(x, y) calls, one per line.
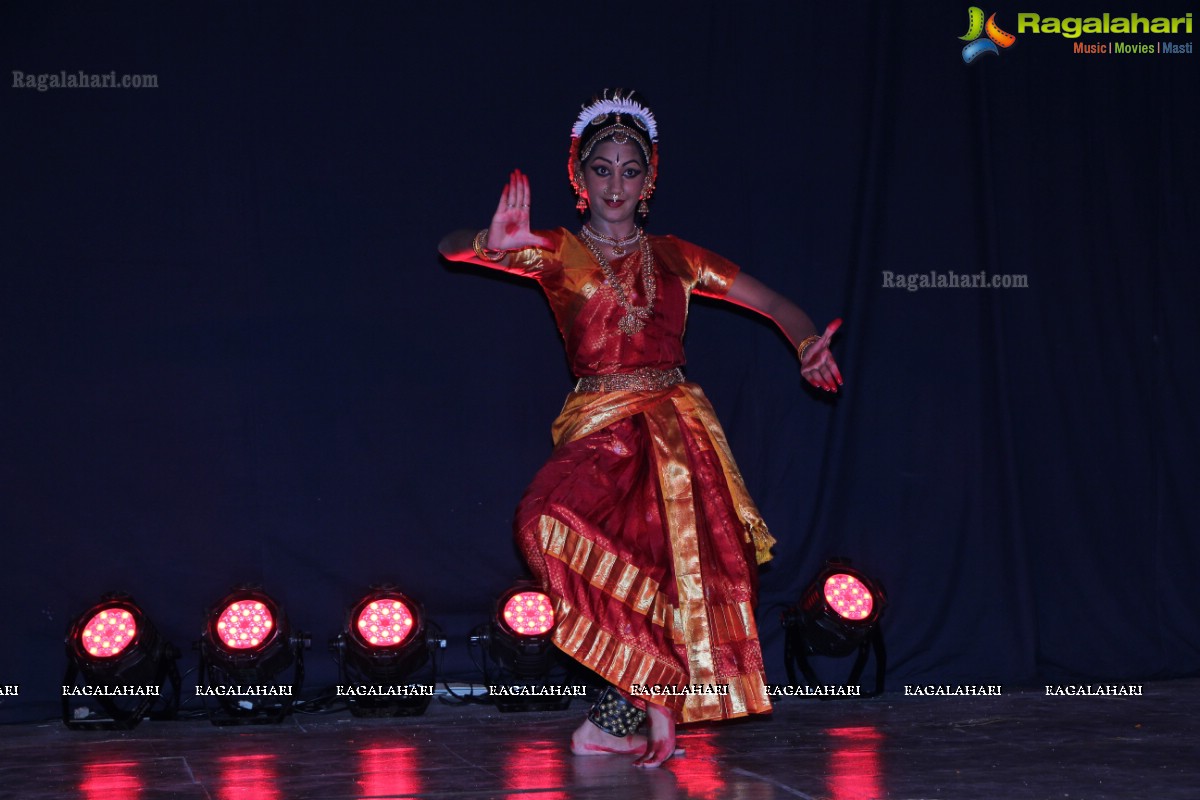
point(587, 310)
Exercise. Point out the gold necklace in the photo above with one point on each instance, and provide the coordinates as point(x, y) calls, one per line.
point(619, 246)
point(635, 316)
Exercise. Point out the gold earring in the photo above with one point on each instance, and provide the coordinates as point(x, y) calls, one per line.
point(581, 203)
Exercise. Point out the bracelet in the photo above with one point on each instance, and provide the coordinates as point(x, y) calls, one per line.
point(804, 345)
point(483, 251)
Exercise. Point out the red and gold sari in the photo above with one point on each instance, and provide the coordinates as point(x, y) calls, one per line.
point(639, 525)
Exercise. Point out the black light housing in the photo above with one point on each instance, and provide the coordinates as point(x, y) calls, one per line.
point(118, 662)
point(518, 643)
point(838, 614)
point(246, 646)
point(383, 645)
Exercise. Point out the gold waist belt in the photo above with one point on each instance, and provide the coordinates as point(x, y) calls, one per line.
point(642, 380)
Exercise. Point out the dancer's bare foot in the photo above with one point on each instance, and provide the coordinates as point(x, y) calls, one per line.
point(662, 737)
point(589, 740)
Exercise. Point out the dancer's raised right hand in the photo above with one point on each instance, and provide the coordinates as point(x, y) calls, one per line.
point(510, 224)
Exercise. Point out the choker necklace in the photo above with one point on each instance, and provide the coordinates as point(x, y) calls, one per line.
point(619, 246)
point(635, 316)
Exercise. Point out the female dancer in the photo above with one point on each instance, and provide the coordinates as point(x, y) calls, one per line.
point(639, 526)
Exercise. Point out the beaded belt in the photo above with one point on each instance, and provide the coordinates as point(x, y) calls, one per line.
point(642, 380)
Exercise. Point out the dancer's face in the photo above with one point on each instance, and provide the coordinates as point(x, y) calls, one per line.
point(614, 176)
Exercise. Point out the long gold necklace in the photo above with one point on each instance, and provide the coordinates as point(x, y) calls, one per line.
point(636, 317)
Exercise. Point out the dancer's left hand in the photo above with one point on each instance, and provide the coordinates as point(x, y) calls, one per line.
point(818, 366)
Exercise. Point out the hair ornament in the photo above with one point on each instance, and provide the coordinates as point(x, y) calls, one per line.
point(617, 103)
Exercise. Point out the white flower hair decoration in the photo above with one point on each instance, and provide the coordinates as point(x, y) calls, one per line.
point(616, 104)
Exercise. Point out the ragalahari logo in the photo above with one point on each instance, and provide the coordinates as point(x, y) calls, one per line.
point(976, 27)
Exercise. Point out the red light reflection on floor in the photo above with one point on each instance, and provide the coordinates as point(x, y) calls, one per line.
point(855, 766)
point(697, 772)
point(535, 765)
point(111, 780)
point(248, 777)
point(389, 771)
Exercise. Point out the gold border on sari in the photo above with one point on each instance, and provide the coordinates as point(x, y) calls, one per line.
point(693, 623)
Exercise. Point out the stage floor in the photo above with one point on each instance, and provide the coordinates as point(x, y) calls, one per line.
point(1023, 744)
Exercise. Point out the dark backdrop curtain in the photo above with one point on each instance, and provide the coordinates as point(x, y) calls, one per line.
point(230, 352)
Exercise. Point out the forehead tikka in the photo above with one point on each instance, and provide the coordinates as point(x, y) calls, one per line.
point(620, 134)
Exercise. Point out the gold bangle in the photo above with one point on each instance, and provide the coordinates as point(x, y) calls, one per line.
point(483, 251)
point(804, 345)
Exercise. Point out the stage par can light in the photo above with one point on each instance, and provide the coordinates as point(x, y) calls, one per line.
point(383, 621)
point(518, 644)
point(382, 652)
point(840, 607)
point(246, 652)
point(521, 630)
point(119, 669)
point(838, 615)
point(527, 614)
